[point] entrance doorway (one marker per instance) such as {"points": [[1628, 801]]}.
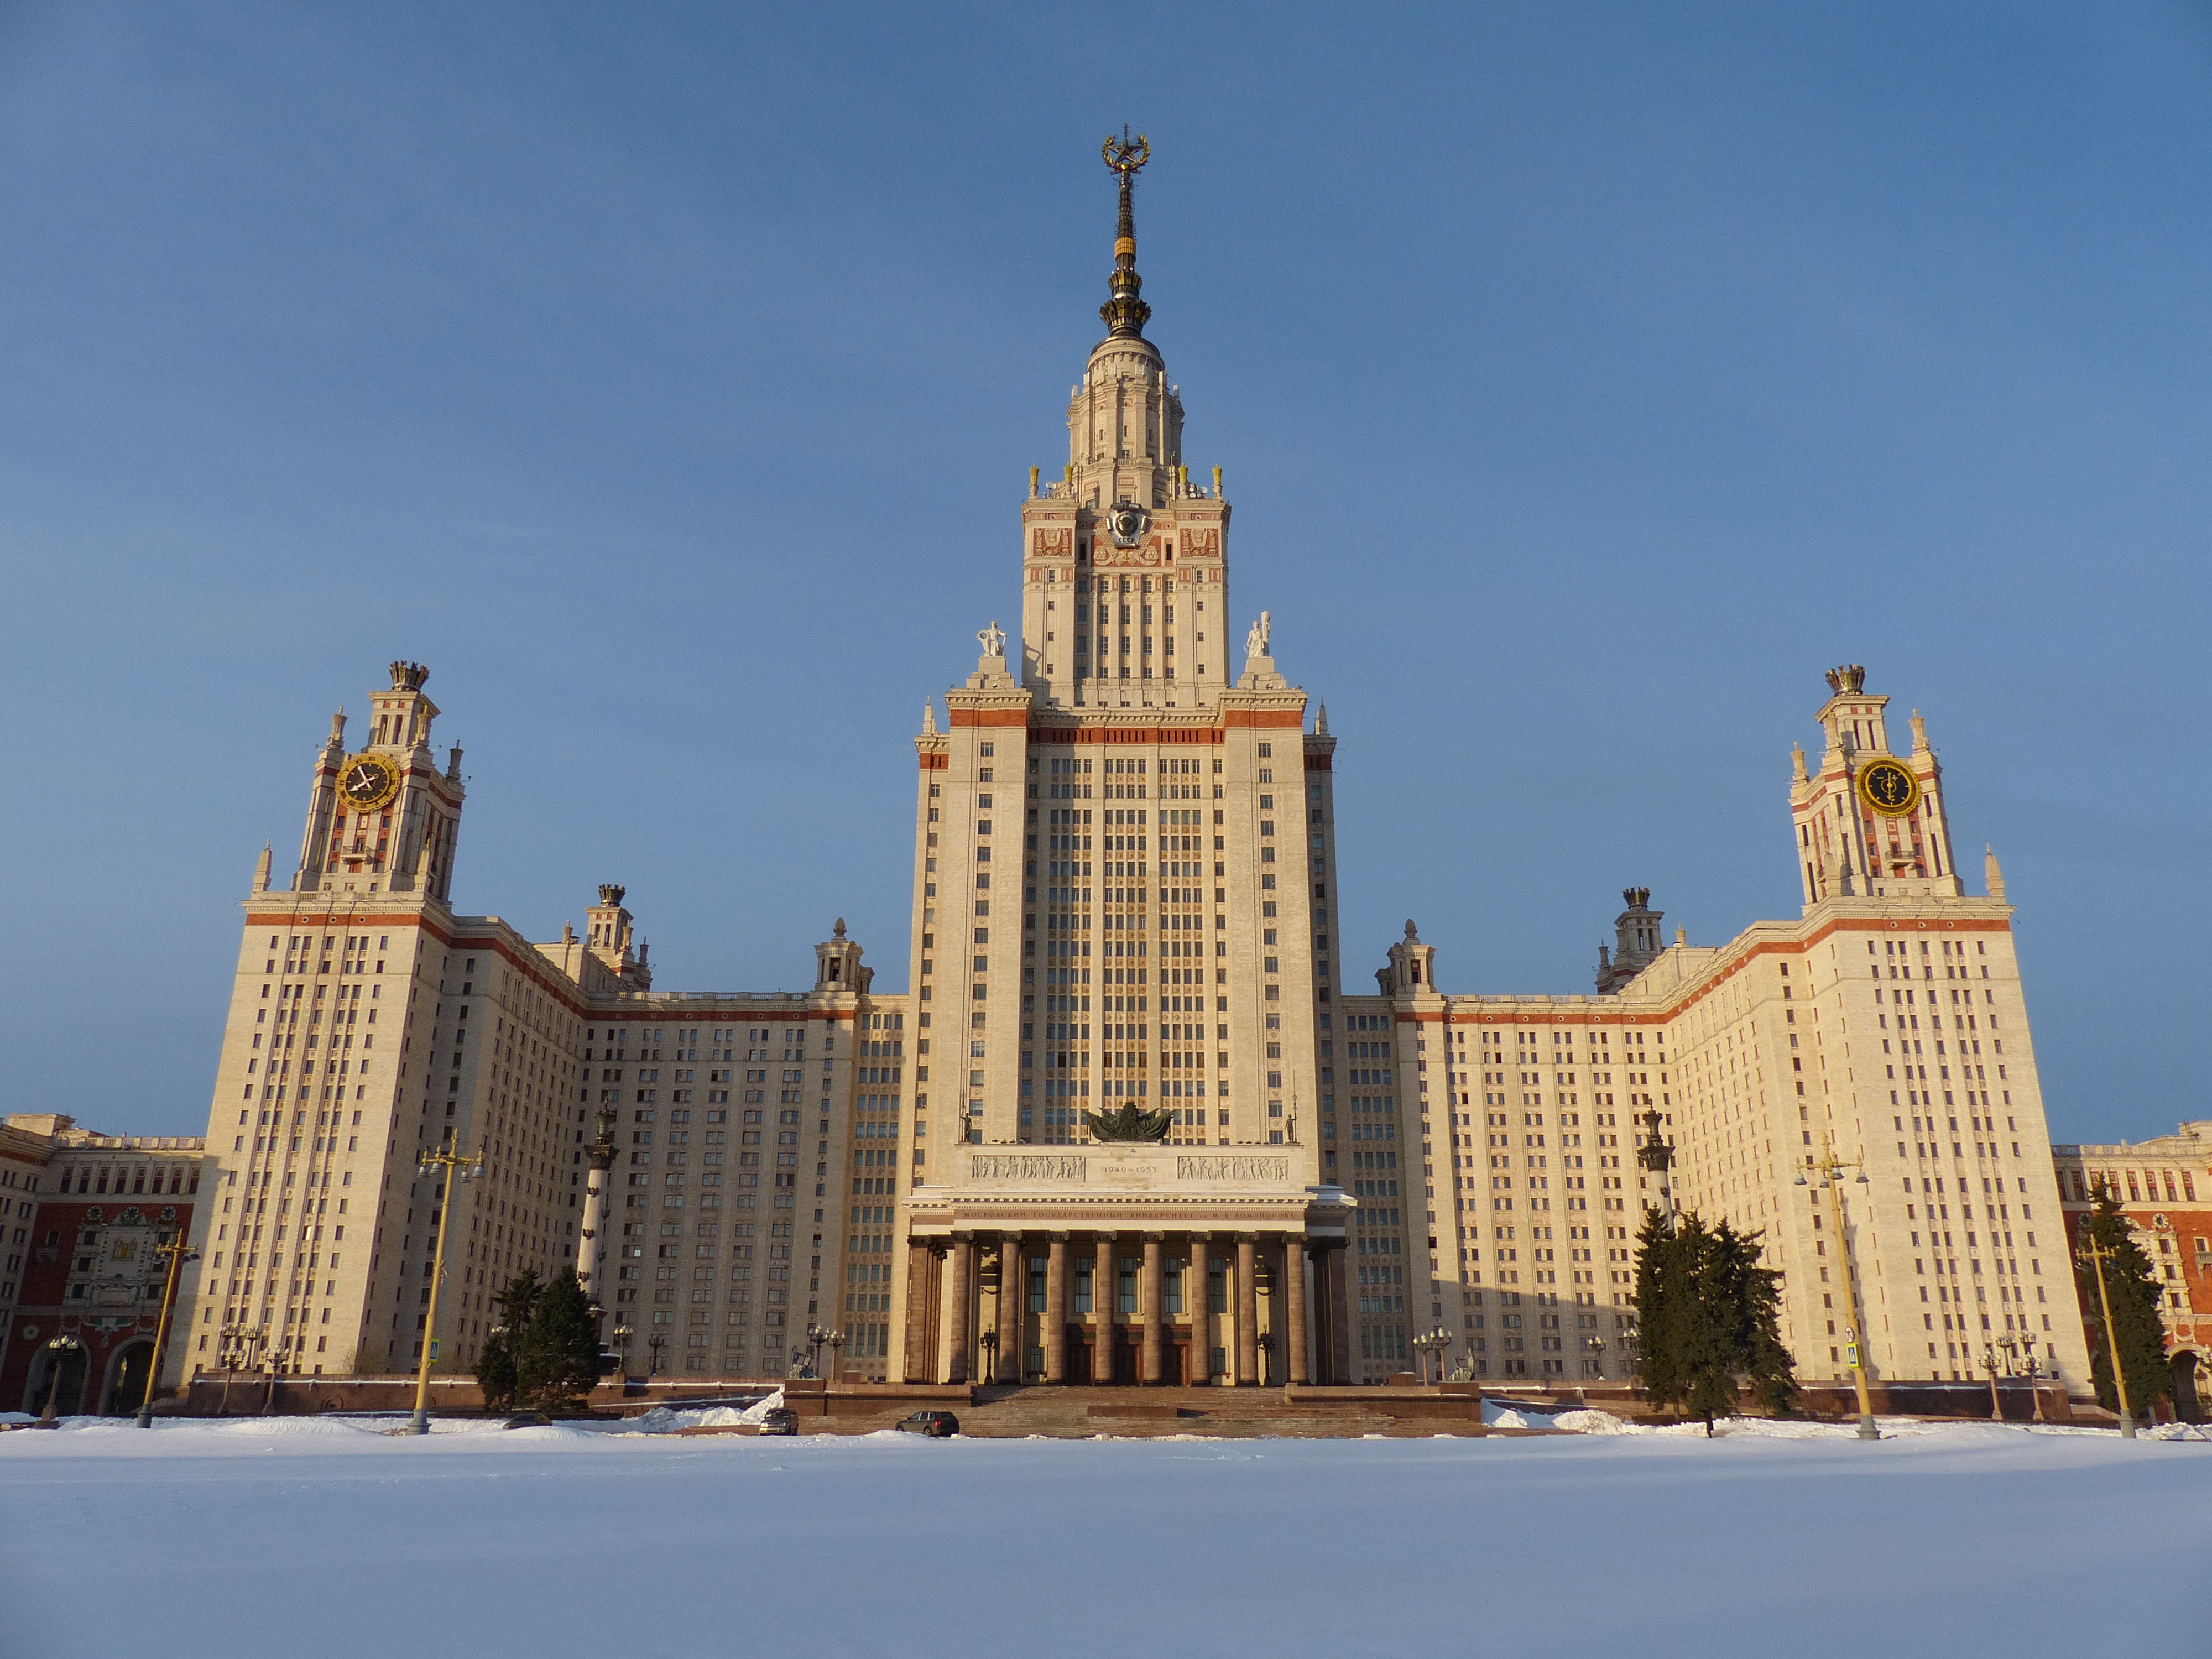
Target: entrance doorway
{"points": [[126, 1380], [66, 1372]]}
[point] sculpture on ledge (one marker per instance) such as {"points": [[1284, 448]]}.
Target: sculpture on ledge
{"points": [[1129, 1122]]}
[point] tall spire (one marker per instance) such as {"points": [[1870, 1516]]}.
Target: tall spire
{"points": [[1124, 314]]}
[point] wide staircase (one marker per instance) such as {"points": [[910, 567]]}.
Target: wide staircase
{"points": [[1011, 1412]]}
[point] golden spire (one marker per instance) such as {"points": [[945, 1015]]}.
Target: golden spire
{"points": [[1124, 314]]}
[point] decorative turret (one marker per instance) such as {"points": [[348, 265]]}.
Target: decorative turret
{"points": [[609, 936], [837, 964], [1637, 943], [1411, 971]]}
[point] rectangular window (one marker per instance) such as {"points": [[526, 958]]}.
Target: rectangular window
{"points": [[1126, 1283], [1081, 1301], [1217, 1284], [1037, 1265]]}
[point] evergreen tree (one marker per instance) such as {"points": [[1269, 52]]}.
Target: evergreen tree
{"points": [[2131, 1284], [557, 1361], [495, 1360], [1658, 1310], [1708, 1314]]}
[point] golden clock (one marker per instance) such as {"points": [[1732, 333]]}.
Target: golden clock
{"points": [[1889, 787], [366, 781]]}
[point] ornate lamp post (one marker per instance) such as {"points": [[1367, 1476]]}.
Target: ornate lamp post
{"points": [[655, 1344], [836, 1341], [988, 1341], [61, 1348], [456, 1167], [623, 1334], [1596, 1347], [2097, 1254], [174, 1248], [1990, 1364], [2034, 1379], [1829, 1169], [227, 1343], [1265, 1344]]}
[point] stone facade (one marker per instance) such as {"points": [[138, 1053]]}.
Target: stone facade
{"points": [[1124, 898], [80, 1216], [2165, 1188]]}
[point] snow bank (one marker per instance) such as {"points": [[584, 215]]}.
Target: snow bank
{"points": [[1593, 1422], [666, 1419]]}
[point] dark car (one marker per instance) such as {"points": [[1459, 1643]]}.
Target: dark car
{"points": [[938, 1426], [781, 1420]]}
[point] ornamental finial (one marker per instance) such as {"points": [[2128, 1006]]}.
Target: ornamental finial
{"points": [[1124, 314]]}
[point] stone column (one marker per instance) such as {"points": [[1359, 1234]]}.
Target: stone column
{"points": [[962, 1289], [1148, 1307], [1201, 1319], [1247, 1310], [1013, 1297], [1340, 1317], [920, 1273], [1294, 1308], [1055, 1310], [1104, 1292]]}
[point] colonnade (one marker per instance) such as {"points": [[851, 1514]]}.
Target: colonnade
{"points": [[1189, 1309]]}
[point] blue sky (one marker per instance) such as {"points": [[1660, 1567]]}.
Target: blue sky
{"points": [[1587, 381]]}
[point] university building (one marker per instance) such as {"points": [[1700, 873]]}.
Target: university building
{"points": [[80, 1278], [2157, 1184], [1127, 1123]]}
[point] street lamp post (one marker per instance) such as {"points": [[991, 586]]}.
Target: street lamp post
{"points": [[1990, 1364], [2096, 1255], [988, 1342], [1596, 1347], [61, 1348], [836, 1339], [175, 1248], [623, 1334], [655, 1344], [225, 1349], [456, 1167], [1829, 1169], [2035, 1379]]}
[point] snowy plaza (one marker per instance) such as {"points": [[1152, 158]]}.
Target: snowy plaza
{"points": [[287, 1536]]}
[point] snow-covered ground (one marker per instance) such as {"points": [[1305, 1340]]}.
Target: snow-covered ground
{"points": [[292, 1536]]}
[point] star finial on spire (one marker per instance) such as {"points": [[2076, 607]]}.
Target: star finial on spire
{"points": [[1124, 314]]}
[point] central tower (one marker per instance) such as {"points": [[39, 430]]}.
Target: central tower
{"points": [[1124, 593], [1122, 918]]}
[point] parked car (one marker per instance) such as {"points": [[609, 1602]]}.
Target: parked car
{"points": [[938, 1426], [781, 1420]]}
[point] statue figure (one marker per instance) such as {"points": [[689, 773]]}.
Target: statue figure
{"points": [[1255, 642], [993, 640], [1129, 1121]]}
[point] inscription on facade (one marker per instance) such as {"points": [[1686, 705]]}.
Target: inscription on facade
{"points": [[1061, 1167], [1232, 1168]]}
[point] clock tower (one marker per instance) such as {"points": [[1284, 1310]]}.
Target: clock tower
{"points": [[384, 818], [1870, 822]]}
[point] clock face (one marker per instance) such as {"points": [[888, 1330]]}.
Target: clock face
{"points": [[366, 781], [1889, 788]]}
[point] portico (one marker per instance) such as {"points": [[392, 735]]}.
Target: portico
{"points": [[1130, 1265]]}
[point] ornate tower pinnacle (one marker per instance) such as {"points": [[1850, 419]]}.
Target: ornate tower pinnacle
{"points": [[1124, 314]]}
